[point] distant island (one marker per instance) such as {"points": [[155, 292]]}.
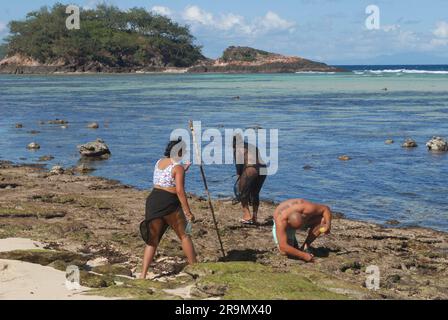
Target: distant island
{"points": [[132, 41]]}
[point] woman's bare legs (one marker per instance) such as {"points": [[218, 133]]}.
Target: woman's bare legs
{"points": [[178, 223], [156, 227]]}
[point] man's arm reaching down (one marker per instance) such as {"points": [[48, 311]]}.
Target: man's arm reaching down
{"points": [[289, 250]]}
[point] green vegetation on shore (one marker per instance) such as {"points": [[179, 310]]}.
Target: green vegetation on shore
{"points": [[109, 36]]}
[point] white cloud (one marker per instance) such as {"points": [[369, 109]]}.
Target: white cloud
{"points": [[390, 28], [442, 30], [194, 14], [230, 21], [161, 10], [272, 21], [439, 42]]}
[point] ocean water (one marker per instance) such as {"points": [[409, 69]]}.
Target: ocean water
{"points": [[319, 117]]}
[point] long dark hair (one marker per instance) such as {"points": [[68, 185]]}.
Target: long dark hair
{"points": [[171, 145]]}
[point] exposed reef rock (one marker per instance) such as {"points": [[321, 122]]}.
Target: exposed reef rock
{"points": [[437, 144], [233, 60], [96, 149], [250, 60]]}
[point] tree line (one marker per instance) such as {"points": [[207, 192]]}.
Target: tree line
{"points": [[108, 35]]}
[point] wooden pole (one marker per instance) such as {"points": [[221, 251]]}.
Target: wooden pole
{"points": [[201, 167]]}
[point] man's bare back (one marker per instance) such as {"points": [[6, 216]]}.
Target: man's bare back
{"points": [[295, 214]]}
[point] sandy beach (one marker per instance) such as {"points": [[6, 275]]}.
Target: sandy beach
{"points": [[29, 281], [93, 223]]}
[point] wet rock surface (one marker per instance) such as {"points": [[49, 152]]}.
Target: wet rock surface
{"points": [[437, 144], [93, 125], [409, 143], [95, 149], [33, 146], [86, 218]]}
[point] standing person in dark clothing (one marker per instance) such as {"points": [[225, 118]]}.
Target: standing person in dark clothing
{"points": [[250, 178]]}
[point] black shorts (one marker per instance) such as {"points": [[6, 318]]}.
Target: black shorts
{"points": [[159, 204]]}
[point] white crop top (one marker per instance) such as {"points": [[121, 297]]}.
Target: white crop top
{"points": [[164, 178]]}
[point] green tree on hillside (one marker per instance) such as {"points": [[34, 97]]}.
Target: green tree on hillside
{"points": [[3, 50], [115, 38]]}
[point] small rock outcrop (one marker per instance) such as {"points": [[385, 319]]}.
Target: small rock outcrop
{"points": [[344, 158], [409, 143], [389, 141], [58, 121], [19, 126], [96, 149], [33, 146], [250, 60], [57, 170], [437, 144], [93, 125], [83, 169], [46, 158]]}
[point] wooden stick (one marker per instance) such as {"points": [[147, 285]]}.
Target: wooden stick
{"points": [[198, 156]]}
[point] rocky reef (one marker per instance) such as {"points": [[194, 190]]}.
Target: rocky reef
{"points": [[92, 223], [95, 149], [250, 60], [437, 144], [233, 60]]}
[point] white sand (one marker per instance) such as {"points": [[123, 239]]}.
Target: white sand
{"points": [[12, 244], [28, 281]]}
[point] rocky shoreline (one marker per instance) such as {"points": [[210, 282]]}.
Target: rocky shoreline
{"points": [[82, 219], [234, 60]]}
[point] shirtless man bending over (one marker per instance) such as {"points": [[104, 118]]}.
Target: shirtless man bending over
{"points": [[295, 214]]}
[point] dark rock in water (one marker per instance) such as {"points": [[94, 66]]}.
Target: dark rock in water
{"points": [[19, 126], [33, 132], [392, 222], [96, 149], [307, 167], [437, 144], [389, 141], [409, 143], [338, 215], [46, 158], [83, 169], [57, 121], [344, 158], [33, 146], [93, 125], [255, 127], [236, 98]]}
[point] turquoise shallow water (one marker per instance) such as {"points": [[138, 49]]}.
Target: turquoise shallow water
{"points": [[320, 117]]}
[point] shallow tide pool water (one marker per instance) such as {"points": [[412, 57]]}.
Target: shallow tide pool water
{"points": [[319, 117]]}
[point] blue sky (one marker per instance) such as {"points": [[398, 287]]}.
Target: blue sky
{"points": [[334, 31]]}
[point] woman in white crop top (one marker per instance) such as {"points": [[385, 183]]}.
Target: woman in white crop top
{"points": [[167, 205]]}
